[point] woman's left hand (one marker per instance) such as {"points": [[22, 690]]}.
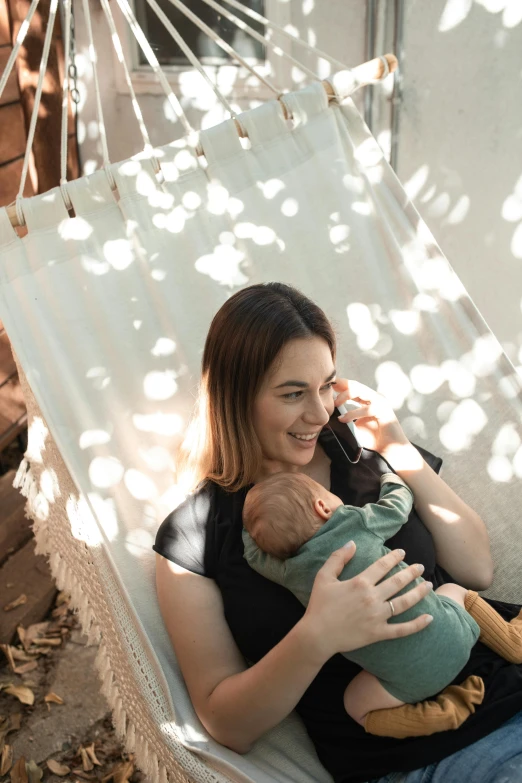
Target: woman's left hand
{"points": [[377, 425]]}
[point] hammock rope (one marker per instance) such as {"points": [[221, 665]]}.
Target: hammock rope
{"points": [[20, 38], [36, 106], [65, 105], [258, 37], [223, 44], [147, 146], [293, 38], [190, 55]]}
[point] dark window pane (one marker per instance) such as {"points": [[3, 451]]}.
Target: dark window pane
{"points": [[169, 53]]}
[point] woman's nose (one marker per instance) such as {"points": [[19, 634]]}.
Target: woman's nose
{"points": [[316, 413]]}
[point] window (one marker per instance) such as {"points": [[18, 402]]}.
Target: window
{"points": [[205, 49], [217, 63]]}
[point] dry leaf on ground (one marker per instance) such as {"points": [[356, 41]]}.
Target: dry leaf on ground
{"points": [[86, 760], [12, 723], [22, 599], [54, 698], [30, 666], [84, 775], [121, 772], [22, 693], [6, 760], [44, 642], [92, 754], [20, 655], [19, 772], [34, 772], [32, 632], [58, 769]]}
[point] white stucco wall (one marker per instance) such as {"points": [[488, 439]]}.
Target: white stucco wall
{"points": [[460, 146], [460, 132]]}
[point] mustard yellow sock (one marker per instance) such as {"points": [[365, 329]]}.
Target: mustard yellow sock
{"points": [[448, 711], [496, 633]]}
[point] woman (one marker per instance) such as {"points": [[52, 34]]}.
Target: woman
{"points": [[266, 404]]}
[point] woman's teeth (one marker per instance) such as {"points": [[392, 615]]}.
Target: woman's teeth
{"points": [[303, 437]]}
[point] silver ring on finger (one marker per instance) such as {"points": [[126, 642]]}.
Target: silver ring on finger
{"points": [[392, 608]]}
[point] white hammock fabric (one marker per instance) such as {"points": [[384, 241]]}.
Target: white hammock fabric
{"points": [[107, 313]]}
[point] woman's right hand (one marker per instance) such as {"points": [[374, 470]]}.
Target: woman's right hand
{"points": [[345, 615]]}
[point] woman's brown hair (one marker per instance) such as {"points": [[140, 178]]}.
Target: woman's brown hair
{"points": [[245, 337]]}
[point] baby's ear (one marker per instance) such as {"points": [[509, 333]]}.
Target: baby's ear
{"points": [[322, 510]]}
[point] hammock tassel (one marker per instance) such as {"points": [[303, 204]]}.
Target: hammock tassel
{"points": [[24, 477], [130, 739], [153, 767], [163, 777], [101, 661], [59, 572], [120, 718], [107, 686], [144, 754]]}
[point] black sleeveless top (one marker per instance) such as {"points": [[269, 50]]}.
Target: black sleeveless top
{"points": [[203, 535]]}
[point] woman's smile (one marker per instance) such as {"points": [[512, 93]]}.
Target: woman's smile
{"points": [[304, 441]]}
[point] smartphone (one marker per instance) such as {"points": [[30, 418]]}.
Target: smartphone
{"points": [[349, 405]]}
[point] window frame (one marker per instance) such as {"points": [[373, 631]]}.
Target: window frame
{"points": [[145, 81]]}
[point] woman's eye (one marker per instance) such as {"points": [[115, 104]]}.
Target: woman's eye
{"points": [[293, 395], [298, 394]]}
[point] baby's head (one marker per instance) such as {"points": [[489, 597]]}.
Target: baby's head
{"points": [[284, 511]]}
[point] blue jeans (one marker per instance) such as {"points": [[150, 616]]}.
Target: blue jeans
{"points": [[496, 758]]}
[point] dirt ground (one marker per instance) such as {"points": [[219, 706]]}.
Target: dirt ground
{"points": [[55, 724]]}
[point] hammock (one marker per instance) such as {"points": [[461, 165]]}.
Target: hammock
{"points": [[107, 301]]}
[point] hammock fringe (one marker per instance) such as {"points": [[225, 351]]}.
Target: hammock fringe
{"points": [[134, 742]]}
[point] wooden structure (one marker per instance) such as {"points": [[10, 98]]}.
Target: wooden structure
{"points": [[16, 105]]}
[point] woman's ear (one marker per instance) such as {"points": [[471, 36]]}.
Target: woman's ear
{"points": [[322, 509]]}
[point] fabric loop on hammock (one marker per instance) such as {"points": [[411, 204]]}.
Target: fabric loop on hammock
{"points": [[220, 142], [65, 195], [19, 211], [265, 122], [90, 194], [50, 211], [310, 101]]}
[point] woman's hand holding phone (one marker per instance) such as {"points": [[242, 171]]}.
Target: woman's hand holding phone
{"points": [[377, 425]]}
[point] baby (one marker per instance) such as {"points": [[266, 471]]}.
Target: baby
{"points": [[291, 526]]}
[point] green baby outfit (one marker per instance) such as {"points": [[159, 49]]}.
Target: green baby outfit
{"points": [[412, 668]]}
